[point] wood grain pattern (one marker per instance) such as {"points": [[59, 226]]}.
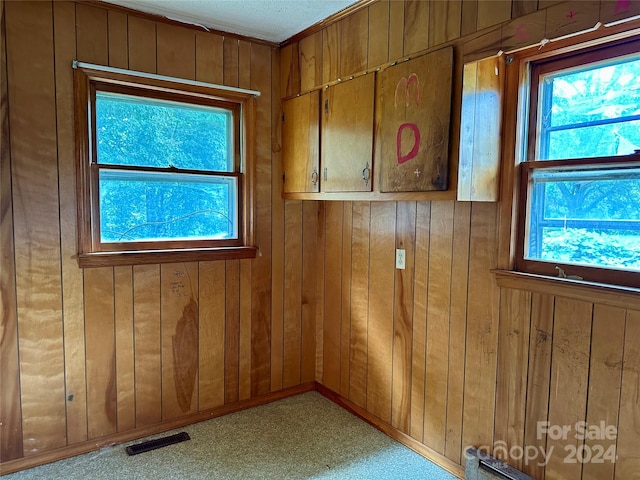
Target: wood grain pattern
{"points": [[381, 291], [211, 304], [612, 11], [209, 58], [539, 376], [176, 51], [444, 21], [628, 463], [420, 298], [396, 29], [290, 76], [458, 330], [331, 53], [524, 31], [64, 18], [310, 61], [605, 380], [416, 26], [332, 297], [146, 324], [118, 39], [513, 359], [142, 44], [571, 17], [291, 332], [569, 381], [354, 34], [10, 411], [34, 177], [469, 22], [438, 315], [232, 332], [345, 295], [360, 223], [100, 344], [125, 364], [403, 318], [92, 34], [245, 329], [309, 290], [179, 332], [520, 8], [378, 51], [230, 73], [491, 12]]}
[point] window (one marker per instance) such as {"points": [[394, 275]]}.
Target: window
{"points": [[580, 190], [163, 169]]}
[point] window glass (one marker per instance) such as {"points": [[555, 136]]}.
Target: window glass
{"points": [[145, 132]]}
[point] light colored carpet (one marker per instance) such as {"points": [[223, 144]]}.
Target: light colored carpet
{"points": [[301, 437]]}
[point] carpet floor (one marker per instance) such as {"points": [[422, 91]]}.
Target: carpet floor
{"points": [[301, 437]]}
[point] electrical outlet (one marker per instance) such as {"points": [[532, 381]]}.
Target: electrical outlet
{"points": [[400, 258]]}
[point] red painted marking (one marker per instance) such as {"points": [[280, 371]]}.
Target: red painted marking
{"points": [[404, 86], [622, 6], [400, 86], [416, 144], [570, 14], [522, 33]]}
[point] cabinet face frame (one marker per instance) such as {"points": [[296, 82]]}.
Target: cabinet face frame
{"points": [[301, 143], [347, 135]]}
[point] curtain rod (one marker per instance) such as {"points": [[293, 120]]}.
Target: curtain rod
{"points": [[76, 64]]}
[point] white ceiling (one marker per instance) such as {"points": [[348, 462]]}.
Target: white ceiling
{"points": [[271, 20]]}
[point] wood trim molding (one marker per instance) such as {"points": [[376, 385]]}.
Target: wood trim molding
{"points": [[616, 296], [393, 432], [336, 17], [109, 440]]}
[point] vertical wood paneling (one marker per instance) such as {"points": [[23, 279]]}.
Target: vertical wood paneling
{"points": [[444, 21], [469, 22], [332, 296], [230, 62], [354, 34], [457, 330], [569, 378], [64, 17], [261, 266], [100, 342], [345, 303], [513, 356], [179, 333], [416, 26], [211, 283], [539, 376], [142, 44], [360, 221], [331, 53], [605, 379], [310, 61], [118, 39], [519, 8], [438, 314], [232, 332], [10, 411], [403, 317], [396, 29], [125, 381], [320, 289], [244, 65], [92, 32], [176, 51], [378, 52], [290, 334], [381, 292], [290, 70], [245, 329], [418, 354], [34, 176], [209, 57], [309, 290], [628, 463], [146, 324], [491, 12], [482, 331]]}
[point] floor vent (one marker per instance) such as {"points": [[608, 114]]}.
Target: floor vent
{"points": [[157, 443]]}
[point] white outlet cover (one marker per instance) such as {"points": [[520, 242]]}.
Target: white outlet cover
{"points": [[400, 258]]}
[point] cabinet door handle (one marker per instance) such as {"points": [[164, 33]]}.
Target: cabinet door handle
{"points": [[314, 177], [366, 174], [326, 106], [325, 174]]}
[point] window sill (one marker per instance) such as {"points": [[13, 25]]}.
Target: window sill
{"points": [[613, 295], [112, 259]]}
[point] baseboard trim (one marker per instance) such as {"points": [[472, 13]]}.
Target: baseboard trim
{"points": [[90, 445], [421, 449]]}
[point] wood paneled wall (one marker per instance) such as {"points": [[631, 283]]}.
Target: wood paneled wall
{"points": [[438, 351], [86, 354]]}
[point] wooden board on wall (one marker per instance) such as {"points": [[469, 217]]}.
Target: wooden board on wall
{"points": [[414, 130]]}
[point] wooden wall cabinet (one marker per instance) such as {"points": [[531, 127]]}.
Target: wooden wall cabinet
{"points": [[347, 135], [301, 144]]}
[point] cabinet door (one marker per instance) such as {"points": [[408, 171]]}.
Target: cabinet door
{"points": [[301, 143], [347, 135], [415, 99]]}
